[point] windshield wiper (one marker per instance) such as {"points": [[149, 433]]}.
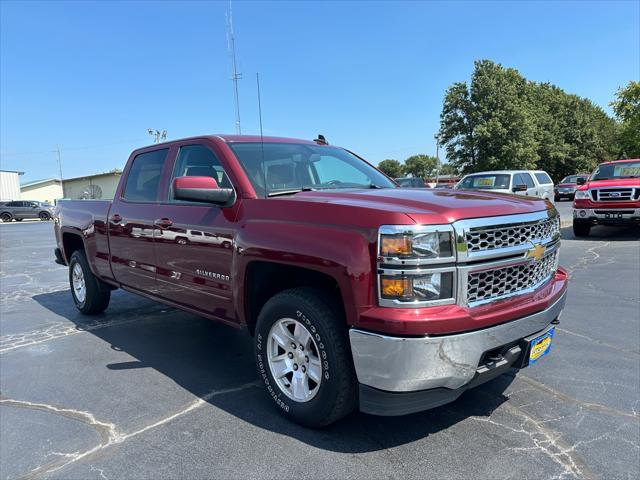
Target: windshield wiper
{"points": [[289, 192]]}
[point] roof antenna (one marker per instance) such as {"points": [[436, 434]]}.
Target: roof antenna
{"points": [[321, 140], [264, 171]]}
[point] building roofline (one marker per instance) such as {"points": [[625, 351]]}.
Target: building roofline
{"points": [[13, 171], [38, 182]]}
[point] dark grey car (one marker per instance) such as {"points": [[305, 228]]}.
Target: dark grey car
{"points": [[20, 209]]}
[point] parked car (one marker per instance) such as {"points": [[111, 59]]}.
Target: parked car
{"points": [[532, 183], [340, 276], [568, 186], [610, 196], [20, 209], [411, 182]]}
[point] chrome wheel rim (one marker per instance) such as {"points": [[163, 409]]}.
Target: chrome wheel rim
{"points": [[77, 280], [294, 360]]}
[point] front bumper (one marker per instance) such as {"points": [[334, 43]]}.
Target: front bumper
{"points": [[607, 216], [400, 375]]}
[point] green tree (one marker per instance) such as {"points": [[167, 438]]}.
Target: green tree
{"points": [[626, 106], [502, 121], [392, 168], [448, 169], [421, 166]]}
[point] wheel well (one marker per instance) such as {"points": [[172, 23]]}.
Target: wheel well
{"points": [[71, 242], [265, 279]]}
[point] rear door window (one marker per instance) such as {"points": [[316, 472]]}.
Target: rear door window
{"points": [[544, 179], [518, 180], [528, 181], [144, 175]]}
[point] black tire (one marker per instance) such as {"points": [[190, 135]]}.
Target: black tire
{"points": [[6, 217], [19, 219], [44, 216], [581, 229], [557, 198], [337, 392], [97, 294]]}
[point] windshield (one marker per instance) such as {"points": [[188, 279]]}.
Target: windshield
{"points": [[485, 182], [291, 167], [571, 178], [616, 170]]}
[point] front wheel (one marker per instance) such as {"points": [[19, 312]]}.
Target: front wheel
{"points": [[581, 229], [89, 293], [44, 216], [303, 357]]}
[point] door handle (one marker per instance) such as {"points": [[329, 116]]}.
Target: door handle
{"points": [[163, 222], [115, 218]]}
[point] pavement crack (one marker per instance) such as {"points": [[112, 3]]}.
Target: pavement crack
{"points": [[595, 407], [546, 441], [585, 260], [107, 431], [109, 434], [599, 342]]}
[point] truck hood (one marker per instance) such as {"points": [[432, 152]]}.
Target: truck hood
{"points": [[426, 206], [619, 182]]}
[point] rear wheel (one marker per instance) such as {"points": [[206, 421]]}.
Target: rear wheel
{"points": [[303, 357], [89, 293], [44, 216], [5, 217], [581, 229]]}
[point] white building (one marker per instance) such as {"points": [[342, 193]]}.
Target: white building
{"points": [[10, 185], [48, 190]]}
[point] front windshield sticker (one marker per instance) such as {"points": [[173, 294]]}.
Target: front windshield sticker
{"points": [[484, 182], [632, 170]]}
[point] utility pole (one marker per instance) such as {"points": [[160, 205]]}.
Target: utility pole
{"points": [[235, 76], [60, 169], [157, 136], [437, 137]]}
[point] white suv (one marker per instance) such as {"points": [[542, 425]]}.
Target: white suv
{"points": [[533, 183]]}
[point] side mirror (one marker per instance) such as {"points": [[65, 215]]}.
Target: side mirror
{"points": [[581, 181], [519, 188], [201, 189]]}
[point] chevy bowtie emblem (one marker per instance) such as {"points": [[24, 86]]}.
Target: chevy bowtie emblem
{"points": [[537, 252]]}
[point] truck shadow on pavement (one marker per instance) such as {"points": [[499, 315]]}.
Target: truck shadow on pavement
{"points": [[204, 357]]}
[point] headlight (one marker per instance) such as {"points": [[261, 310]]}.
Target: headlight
{"points": [[416, 245], [582, 194], [434, 287], [416, 265]]}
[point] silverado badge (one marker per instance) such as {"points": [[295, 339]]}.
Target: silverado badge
{"points": [[537, 252]]}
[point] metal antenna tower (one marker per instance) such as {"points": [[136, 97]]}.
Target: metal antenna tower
{"points": [[235, 76]]}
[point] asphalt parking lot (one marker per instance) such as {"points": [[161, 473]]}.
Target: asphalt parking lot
{"points": [[146, 391]]}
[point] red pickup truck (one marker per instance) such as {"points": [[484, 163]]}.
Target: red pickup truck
{"points": [[358, 294], [610, 196]]}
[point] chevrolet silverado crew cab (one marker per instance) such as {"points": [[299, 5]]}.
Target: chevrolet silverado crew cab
{"points": [[358, 294], [610, 196]]}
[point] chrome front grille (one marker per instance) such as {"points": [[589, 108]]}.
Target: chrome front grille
{"points": [[621, 194], [511, 235], [489, 285]]}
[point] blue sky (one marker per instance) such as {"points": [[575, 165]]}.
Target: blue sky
{"points": [[370, 76]]}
